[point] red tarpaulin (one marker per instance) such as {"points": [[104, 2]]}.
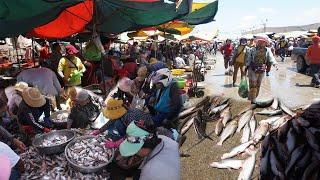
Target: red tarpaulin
{"points": [[72, 20]]}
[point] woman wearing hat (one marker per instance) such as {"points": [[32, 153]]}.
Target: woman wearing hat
{"points": [[70, 67], [14, 96], [84, 111], [30, 110], [160, 154], [256, 64], [238, 59]]}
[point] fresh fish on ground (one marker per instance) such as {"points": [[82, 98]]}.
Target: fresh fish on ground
{"points": [[281, 121], [276, 167], [264, 165], [200, 128], [283, 131], [186, 112], [270, 120], [228, 131], [219, 127], [248, 167], [291, 140], [270, 112], [275, 103], [218, 109], [261, 132], [280, 150], [286, 109], [312, 140], [304, 161], [245, 134], [302, 122], [228, 164], [244, 119], [314, 166], [187, 126], [252, 125], [265, 145], [237, 150], [265, 103], [296, 126], [226, 116]]}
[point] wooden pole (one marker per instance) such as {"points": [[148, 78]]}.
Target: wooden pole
{"points": [[17, 54]]}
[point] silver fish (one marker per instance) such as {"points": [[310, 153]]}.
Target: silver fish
{"points": [[237, 150], [252, 125], [270, 120], [244, 119], [261, 132], [228, 164], [275, 103], [218, 109], [291, 140], [295, 156], [219, 127], [200, 128], [245, 134], [276, 167], [286, 109], [270, 112], [265, 103], [187, 126], [228, 131], [279, 122], [248, 167], [226, 116], [186, 112]]}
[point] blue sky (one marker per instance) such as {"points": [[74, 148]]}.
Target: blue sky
{"points": [[235, 16]]}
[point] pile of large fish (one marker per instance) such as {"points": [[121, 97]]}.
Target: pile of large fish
{"points": [[57, 140], [253, 132], [44, 167], [89, 152]]}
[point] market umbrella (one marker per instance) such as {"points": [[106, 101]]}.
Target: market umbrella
{"points": [[137, 34], [175, 27], [202, 15]]}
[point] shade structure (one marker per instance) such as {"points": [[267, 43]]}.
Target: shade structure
{"points": [[203, 15], [70, 21], [137, 34], [175, 27], [20, 16]]}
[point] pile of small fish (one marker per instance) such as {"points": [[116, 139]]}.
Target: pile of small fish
{"points": [[61, 117], [218, 110], [89, 152], [44, 167], [57, 140], [293, 151]]}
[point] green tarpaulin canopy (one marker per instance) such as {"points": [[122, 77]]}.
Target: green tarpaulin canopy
{"points": [[202, 15]]}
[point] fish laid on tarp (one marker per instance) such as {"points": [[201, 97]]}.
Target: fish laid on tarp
{"points": [[302, 122], [265, 165], [248, 167], [275, 103], [219, 127], [264, 104], [228, 164], [283, 131], [312, 168], [270, 120], [228, 131], [286, 109], [276, 167], [245, 134], [295, 156], [226, 116], [252, 125], [200, 128], [244, 119], [270, 112], [261, 132], [291, 140], [218, 109], [186, 112], [187, 126], [312, 140], [279, 122], [237, 150]]}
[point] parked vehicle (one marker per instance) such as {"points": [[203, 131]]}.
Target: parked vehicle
{"points": [[298, 56]]}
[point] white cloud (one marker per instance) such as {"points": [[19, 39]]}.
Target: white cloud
{"points": [[309, 15], [267, 10], [248, 21]]}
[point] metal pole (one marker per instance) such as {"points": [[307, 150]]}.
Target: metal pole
{"points": [[32, 49], [17, 54]]}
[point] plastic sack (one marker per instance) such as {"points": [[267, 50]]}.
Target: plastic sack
{"points": [[243, 88], [137, 103], [92, 52], [76, 76]]}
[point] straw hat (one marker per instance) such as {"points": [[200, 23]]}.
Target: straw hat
{"points": [[153, 60], [114, 109], [20, 86], [33, 97]]}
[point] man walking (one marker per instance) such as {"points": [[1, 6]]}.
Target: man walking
{"points": [[313, 55], [282, 50]]}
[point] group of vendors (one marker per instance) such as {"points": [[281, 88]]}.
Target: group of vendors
{"points": [[137, 106]]}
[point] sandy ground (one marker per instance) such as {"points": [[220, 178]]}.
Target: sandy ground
{"points": [[281, 83]]}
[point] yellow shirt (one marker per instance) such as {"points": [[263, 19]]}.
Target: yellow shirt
{"points": [[241, 58], [68, 68]]}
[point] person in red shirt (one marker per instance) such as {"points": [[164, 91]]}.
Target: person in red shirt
{"points": [[226, 51], [44, 53], [313, 55]]}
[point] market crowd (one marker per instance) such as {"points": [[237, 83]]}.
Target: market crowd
{"points": [[142, 102]]}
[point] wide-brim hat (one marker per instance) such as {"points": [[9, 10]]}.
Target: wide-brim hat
{"points": [[20, 86], [129, 148], [114, 109], [33, 97], [125, 84], [71, 50]]}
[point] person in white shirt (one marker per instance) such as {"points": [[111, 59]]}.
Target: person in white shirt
{"points": [[16, 164], [179, 63], [14, 96]]}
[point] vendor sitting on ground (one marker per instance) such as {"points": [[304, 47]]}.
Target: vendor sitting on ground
{"points": [[160, 153], [83, 112], [14, 96], [166, 103], [119, 118], [30, 110]]}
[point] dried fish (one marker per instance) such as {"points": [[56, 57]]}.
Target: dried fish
{"points": [[56, 140]]}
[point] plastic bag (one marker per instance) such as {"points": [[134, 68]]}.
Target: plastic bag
{"points": [[92, 52], [137, 103], [243, 90]]}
